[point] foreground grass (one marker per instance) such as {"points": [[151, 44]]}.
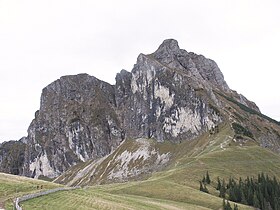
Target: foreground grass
{"points": [[14, 186], [177, 186], [94, 198]]}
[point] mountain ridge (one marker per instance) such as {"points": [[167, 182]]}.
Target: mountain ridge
{"points": [[170, 95]]}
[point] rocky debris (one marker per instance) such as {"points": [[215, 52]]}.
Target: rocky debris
{"points": [[170, 95], [130, 164], [131, 160]]}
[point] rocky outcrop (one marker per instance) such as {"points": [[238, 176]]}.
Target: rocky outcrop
{"points": [[76, 122], [170, 95], [131, 160], [162, 103], [12, 157]]}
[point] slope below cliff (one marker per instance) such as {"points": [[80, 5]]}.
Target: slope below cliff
{"points": [[170, 95]]}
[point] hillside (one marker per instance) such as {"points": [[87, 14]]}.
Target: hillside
{"points": [[170, 95], [137, 159], [176, 187], [12, 186], [156, 132]]}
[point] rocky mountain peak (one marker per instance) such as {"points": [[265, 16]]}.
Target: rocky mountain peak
{"points": [[203, 71], [167, 48], [170, 95]]}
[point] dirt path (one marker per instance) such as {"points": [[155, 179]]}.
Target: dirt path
{"points": [[165, 206]]}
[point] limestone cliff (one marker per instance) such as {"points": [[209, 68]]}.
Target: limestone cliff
{"points": [[170, 95], [76, 122]]}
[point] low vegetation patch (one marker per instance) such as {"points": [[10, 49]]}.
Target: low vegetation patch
{"points": [[247, 109], [239, 129]]}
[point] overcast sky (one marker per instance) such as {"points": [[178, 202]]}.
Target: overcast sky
{"points": [[41, 41]]}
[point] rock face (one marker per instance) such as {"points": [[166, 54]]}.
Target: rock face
{"points": [[76, 122], [131, 160], [170, 95]]}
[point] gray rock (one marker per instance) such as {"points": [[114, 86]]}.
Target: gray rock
{"points": [[76, 122], [170, 95]]}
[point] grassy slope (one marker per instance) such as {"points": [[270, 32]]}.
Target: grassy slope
{"points": [[12, 186], [98, 198], [176, 187]]}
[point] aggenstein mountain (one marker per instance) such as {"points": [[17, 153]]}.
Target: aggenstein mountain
{"points": [[88, 131]]}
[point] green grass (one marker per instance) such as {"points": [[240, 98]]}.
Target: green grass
{"points": [[247, 109], [12, 186], [98, 198], [177, 187]]}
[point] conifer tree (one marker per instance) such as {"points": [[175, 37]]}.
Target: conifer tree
{"points": [[276, 203], [203, 179], [218, 184], [235, 207], [228, 207], [224, 204], [207, 179], [262, 193], [205, 189], [201, 187], [256, 202], [243, 198], [250, 195], [223, 190]]}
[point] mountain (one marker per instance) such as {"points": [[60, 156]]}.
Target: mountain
{"points": [[103, 133]]}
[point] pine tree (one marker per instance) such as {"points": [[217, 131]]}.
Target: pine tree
{"points": [[224, 204], [231, 194], [250, 195], [256, 202], [208, 181], [201, 187], [203, 179], [276, 203], [262, 193], [218, 184], [223, 190], [230, 183], [205, 189], [265, 205], [243, 198], [259, 178], [228, 207]]}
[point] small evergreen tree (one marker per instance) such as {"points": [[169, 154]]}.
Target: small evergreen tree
{"points": [[235, 207], [218, 184], [256, 202], [207, 179], [203, 179], [205, 189], [224, 204], [201, 187], [223, 190], [228, 207], [243, 198], [276, 203]]}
